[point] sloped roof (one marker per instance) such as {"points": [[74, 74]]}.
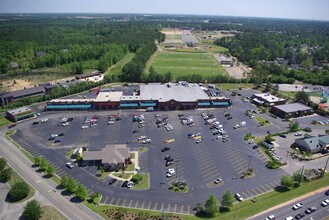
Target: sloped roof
{"points": [[109, 154], [314, 142]]}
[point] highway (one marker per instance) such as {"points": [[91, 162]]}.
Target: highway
{"points": [[46, 187], [286, 210]]}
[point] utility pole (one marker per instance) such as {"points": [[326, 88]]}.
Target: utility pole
{"points": [[287, 157], [301, 173], [325, 166], [250, 156]]}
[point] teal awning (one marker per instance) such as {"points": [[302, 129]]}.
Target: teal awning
{"points": [[129, 105], [25, 115], [220, 103], [204, 103], [88, 106], [148, 104]]}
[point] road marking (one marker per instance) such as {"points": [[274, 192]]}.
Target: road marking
{"points": [[168, 209], [130, 203], [188, 209], [149, 206], [124, 201], [182, 209], [112, 201], [175, 207], [162, 206], [136, 204], [106, 199], [142, 204]]}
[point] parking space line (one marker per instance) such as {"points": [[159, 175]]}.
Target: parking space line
{"points": [[168, 209], [136, 204], [188, 209], [255, 192], [118, 202], [155, 206], [182, 209], [210, 163], [111, 203], [244, 195], [248, 192], [175, 207], [124, 201], [106, 199], [162, 206], [264, 188], [270, 188], [149, 206], [259, 191], [214, 173], [131, 201], [142, 204]]}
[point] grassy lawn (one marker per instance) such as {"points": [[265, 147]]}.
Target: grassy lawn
{"points": [[116, 68], [50, 213], [69, 154], [289, 94], [130, 167], [132, 155], [144, 184], [187, 50], [143, 149], [182, 64], [4, 121], [262, 121], [225, 86], [124, 176], [101, 175], [316, 94], [17, 178]]}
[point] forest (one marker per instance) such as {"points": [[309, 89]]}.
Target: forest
{"points": [[39, 42]]}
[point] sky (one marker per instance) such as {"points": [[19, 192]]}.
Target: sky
{"points": [[295, 9]]}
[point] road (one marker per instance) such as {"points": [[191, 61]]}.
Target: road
{"points": [[313, 199], [45, 187]]}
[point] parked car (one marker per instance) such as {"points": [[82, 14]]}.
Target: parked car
{"points": [[124, 184], [112, 181], [69, 165], [12, 125], [130, 184], [110, 123], [135, 131], [61, 134], [218, 180], [299, 216], [283, 135], [310, 210], [146, 141], [298, 133], [297, 206], [255, 147], [44, 120], [165, 149], [238, 197], [84, 127], [270, 217], [54, 135], [199, 140], [169, 163], [325, 203], [58, 141], [35, 123], [327, 193], [51, 138]]}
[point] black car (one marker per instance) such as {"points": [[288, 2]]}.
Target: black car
{"points": [[228, 114], [229, 118], [70, 119], [61, 134], [124, 184], [167, 157], [299, 216], [165, 149], [51, 138], [283, 135], [327, 193], [170, 159], [112, 181], [135, 131], [310, 210], [12, 125], [255, 147], [35, 123]]}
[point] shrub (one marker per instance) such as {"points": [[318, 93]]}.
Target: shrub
{"points": [[32, 210], [308, 129], [137, 178], [19, 191], [3, 163], [6, 174]]}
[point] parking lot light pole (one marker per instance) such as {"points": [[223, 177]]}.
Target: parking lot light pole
{"points": [[176, 161], [287, 157], [250, 156]]}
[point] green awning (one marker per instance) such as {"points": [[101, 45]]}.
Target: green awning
{"points": [[25, 115], [204, 103], [220, 103], [129, 105], [148, 104], [69, 106]]}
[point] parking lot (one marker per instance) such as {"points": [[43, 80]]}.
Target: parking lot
{"points": [[198, 164]]}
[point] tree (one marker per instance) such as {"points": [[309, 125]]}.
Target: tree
{"points": [[64, 181], [37, 160], [302, 96], [136, 178], [227, 200], [50, 170], [297, 177], [43, 164], [6, 174], [3, 163], [294, 126], [212, 205], [81, 192], [268, 86], [18, 191], [32, 210], [287, 181], [72, 185]]}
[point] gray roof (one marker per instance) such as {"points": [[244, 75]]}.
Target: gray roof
{"points": [[314, 142], [24, 92], [166, 92], [19, 110], [293, 107], [109, 154]]}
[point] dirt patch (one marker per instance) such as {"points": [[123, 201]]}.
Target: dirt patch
{"points": [[17, 84], [171, 32]]}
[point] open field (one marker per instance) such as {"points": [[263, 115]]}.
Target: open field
{"points": [[225, 86], [50, 213], [186, 63], [4, 121]]}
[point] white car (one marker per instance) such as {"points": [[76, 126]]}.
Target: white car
{"points": [[93, 125], [69, 165], [238, 197], [325, 203], [110, 123], [199, 140], [170, 172], [54, 135], [146, 141], [298, 133], [270, 217], [130, 184], [141, 138], [218, 180], [44, 120], [297, 206], [66, 124], [84, 126]]}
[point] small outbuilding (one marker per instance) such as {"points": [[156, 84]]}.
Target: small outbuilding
{"points": [[313, 144], [20, 113], [267, 99]]}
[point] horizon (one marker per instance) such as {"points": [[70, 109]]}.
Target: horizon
{"points": [[293, 9]]}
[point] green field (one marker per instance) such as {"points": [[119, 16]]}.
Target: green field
{"points": [[186, 64]]}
